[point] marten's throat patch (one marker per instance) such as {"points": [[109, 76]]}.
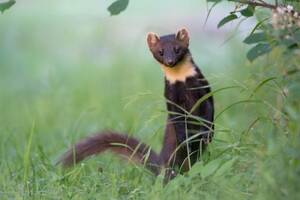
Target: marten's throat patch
{"points": [[180, 72]]}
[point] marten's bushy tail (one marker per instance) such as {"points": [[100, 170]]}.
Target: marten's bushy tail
{"points": [[122, 145]]}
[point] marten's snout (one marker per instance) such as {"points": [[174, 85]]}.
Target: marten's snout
{"points": [[169, 57], [170, 62]]}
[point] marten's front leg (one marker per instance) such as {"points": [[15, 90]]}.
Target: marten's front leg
{"points": [[168, 153], [180, 127]]}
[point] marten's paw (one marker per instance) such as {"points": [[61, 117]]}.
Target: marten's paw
{"points": [[207, 138]]}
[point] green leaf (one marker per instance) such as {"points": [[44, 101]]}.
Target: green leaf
{"points": [[210, 9], [227, 19], [297, 36], [117, 7], [210, 168], [258, 25], [258, 50], [196, 169], [255, 38], [261, 84], [6, 5], [288, 42], [248, 12], [225, 167]]}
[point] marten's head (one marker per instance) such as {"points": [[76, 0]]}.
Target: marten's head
{"points": [[169, 50]]}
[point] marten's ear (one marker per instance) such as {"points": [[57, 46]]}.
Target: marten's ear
{"points": [[152, 39], [183, 36]]}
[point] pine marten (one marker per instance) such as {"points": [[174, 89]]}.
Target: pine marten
{"points": [[190, 107]]}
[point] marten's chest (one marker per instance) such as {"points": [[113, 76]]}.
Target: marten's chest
{"points": [[184, 94]]}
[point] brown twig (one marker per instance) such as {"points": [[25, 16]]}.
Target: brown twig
{"points": [[256, 3], [261, 1]]}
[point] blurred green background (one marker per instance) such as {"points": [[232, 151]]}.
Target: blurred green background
{"points": [[68, 69]]}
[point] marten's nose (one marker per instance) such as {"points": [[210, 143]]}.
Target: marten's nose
{"points": [[170, 62]]}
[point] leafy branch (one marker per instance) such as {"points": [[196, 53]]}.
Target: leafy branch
{"points": [[279, 29]]}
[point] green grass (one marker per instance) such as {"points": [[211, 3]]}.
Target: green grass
{"points": [[60, 83]]}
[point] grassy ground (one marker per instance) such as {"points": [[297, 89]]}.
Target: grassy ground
{"points": [[63, 77]]}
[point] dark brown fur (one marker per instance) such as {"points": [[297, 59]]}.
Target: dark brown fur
{"points": [[181, 96], [120, 144]]}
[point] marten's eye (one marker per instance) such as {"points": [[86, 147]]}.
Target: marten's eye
{"points": [[177, 50], [161, 52]]}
